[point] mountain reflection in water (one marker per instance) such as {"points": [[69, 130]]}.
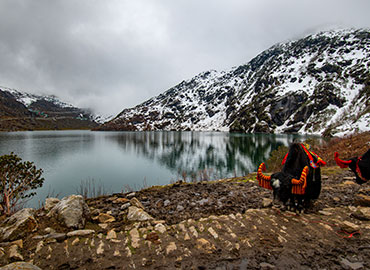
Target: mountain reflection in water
{"points": [[117, 160]]}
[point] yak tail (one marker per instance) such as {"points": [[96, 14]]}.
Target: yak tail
{"points": [[299, 186], [263, 180], [341, 163]]}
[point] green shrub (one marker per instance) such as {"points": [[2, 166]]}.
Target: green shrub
{"points": [[17, 178]]}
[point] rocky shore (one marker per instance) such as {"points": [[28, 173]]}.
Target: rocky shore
{"points": [[225, 224]]}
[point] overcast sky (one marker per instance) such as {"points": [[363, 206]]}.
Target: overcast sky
{"points": [[113, 54]]}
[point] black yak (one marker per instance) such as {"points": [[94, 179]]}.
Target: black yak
{"points": [[299, 181], [359, 165]]}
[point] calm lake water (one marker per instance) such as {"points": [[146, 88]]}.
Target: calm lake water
{"points": [[120, 161]]}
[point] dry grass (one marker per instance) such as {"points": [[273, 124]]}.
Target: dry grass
{"points": [[351, 146]]}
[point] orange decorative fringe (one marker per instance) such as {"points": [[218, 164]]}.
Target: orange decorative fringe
{"points": [[299, 186], [263, 180]]}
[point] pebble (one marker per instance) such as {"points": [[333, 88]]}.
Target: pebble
{"points": [[171, 248], [160, 228], [135, 238], [111, 234], [14, 254], [212, 232], [350, 265], [193, 231], [349, 227], [125, 206], [105, 218], [76, 241], [103, 225], [205, 245], [131, 195], [100, 249], [136, 202], [80, 233]]}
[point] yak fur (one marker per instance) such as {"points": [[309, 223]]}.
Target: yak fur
{"points": [[281, 182]]}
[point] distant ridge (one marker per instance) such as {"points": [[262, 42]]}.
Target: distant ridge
{"points": [[24, 111], [319, 84]]}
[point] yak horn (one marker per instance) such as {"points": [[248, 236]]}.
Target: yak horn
{"points": [[341, 163], [263, 180], [299, 186]]}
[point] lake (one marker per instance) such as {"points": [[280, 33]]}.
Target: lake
{"points": [[110, 162]]}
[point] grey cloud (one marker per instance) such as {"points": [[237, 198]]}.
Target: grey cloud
{"points": [[109, 55]]}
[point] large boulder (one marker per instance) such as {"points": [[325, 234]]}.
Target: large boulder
{"points": [[72, 211], [18, 225]]}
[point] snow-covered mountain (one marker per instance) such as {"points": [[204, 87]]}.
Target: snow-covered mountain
{"points": [[20, 110], [319, 84]]}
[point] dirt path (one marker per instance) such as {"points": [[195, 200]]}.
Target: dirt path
{"points": [[218, 225]]}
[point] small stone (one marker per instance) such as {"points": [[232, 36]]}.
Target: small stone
{"points": [[128, 252], [337, 199], [121, 200], [201, 227], [76, 241], [266, 265], [137, 203], [80, 233], [39, 246], [14, 254], [111, 234], [137, 214], [180, 208], [49, 230], [57, 236], [117, 253], [193, 231], [212, 232], [135, 238], [103, 225], [171, 247], [166, 203], [105, 218], [205, 245], [365, 211], [19, 243], [100, 249], [182, 227], [125, 206], [325, 213], [50, 203], [348, 183], [349, 227], [354, 266], [266, 202], [186, 237], [131, 195], [158, 222], [160, 228], [362, 200]]}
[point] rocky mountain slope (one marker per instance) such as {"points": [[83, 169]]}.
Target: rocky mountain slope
{"points": [[319, 84], [24, 111]]}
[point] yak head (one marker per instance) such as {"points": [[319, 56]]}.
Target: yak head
{"points": [[283, 184], [352, 164]]}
